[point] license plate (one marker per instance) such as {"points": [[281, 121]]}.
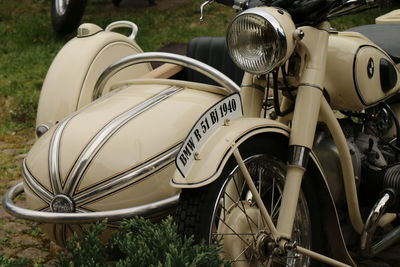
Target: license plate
{"points": [[228, 108]]}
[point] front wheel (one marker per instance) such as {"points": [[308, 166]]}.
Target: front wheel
{"points": [[225, 211], [66, 14]]}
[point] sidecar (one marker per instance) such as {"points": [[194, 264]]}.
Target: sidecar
{"points": [[107, 136]]}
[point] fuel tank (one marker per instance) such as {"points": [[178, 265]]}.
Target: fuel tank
{"points": [[359, 74], [116, 152]]}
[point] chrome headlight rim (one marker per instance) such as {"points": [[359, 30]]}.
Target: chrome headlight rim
{"points": [[281, 37]]}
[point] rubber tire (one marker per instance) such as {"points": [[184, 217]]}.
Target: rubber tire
{"points": [[116, 2], [70, 20], [196, 205]]}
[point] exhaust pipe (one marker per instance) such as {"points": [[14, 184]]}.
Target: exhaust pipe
{"points": [[368, 248]]}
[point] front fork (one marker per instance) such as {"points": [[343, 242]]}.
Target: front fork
{"points": [[314, 47], [307, 107]]}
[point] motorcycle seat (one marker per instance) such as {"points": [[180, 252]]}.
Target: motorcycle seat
{"points": [[214, 52], [386, 36]]}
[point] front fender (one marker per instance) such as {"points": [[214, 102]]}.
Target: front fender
{"points": [[216, 151], [213, 155]]}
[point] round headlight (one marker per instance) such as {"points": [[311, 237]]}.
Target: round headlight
{"points": [[257, 42]]}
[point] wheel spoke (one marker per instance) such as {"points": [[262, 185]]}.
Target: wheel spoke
{"points": [[233, 231], [245, 213], [272, 196], [277, 207], [241, 253], [259, 191], [242, 210]]}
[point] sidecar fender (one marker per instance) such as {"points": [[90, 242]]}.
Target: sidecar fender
{"points": [[212, 156], [71, 78]]}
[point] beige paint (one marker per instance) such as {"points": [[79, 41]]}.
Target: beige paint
{"points": [[388, 18], [290, 196], [198, 86], [165, 71], [369, 87], [156, 130], [330, 120], [313, 47], [71, 77], [346, 48], [219, 147], [252, 97], [139, 193], [309, 94]]}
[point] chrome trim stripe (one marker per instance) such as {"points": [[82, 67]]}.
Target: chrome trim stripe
{"points": [[146, 210], [127, 178], [34, 185], [100, 139], [54, 157], [53, 160]]}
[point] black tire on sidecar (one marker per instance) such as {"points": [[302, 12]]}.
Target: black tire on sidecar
{"points": [[116, 2], [66, 16], [216, 211]]}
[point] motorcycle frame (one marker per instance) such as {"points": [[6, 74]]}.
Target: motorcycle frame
{"points": [[311, 107]]}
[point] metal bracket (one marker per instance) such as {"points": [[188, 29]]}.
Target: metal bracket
{"points": [[206, 3]]}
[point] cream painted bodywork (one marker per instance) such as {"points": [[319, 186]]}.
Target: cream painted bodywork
{"points": [[70, 80], [388, 18], [347, 81], [153, 132], [219, 147]]}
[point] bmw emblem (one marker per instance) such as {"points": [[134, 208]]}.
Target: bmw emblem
{"points": [[62, 204], [370, 68]]}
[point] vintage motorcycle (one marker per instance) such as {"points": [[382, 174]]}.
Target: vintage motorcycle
{"points": [[296, 166]]}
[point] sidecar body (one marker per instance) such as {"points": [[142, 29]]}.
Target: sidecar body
{"points": [[117, 152], [107, 154]]}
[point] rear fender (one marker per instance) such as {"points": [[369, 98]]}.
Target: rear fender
{"points": [[218, 149], [71, 78]]}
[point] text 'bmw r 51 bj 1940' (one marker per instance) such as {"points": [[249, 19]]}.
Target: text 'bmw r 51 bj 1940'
{"points": [[288, 157]]}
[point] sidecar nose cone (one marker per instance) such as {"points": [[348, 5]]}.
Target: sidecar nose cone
{"points": [[62, 203]]}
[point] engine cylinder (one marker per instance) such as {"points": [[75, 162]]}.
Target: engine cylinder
{"points": [[391, 181]]}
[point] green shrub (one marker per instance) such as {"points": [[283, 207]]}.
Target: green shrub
{"points": [[5, 262], [139, 243]]}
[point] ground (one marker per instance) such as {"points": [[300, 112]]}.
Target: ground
{"points": [[20, 238]]}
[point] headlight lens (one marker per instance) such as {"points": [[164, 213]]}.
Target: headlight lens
{"points": [[256, 41]]}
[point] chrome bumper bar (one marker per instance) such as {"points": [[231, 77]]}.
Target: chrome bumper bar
{"points": [[82, 218], [183, 61]]}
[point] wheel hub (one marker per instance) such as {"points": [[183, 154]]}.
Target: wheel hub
{"points": [[265, 246], [245, 239]]}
